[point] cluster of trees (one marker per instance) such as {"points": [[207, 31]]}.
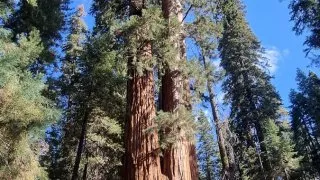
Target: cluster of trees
{"points": [[118, 102]]}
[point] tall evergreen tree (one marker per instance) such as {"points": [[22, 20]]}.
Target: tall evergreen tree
{"points": [[92, 94], [175, 97], [254, 101], [305, 122], [25, 112], [205, 30], [280, 147], [142, 159], [70, 95], [49, 17]]}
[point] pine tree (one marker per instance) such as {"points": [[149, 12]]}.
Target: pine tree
{"points": [[205, 30], [253, 99], [69, 95], [280, 147], [92, 93], [104, 143], [305, 15], [25, 112], [305, 122], [47, 16], [207, 150]]}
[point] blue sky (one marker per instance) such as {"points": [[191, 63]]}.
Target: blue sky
{"points": [[269, 20]]}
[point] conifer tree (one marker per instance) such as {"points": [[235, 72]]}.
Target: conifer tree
{"points": [[175, 98], [305, 15], [92, 93], [305, 122], [280, 147], [70, 95], [207, 150], [205, 30], [253, 99], [141, 160], [24, 111], [49, 17]]}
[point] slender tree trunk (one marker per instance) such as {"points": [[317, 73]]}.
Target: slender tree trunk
{"points": [[85, 170], [80, 145], [179, 160], [230, 142], [264, 162], [141, 161], [216, 122]]}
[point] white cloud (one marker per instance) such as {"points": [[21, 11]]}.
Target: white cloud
{"points": [[273, 55]]}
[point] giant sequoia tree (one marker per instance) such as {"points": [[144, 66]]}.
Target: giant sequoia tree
{"points": [[142, 159], [109, 81], [179, 160]]}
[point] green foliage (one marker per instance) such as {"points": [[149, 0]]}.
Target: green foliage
{"points": [[280, 149], [24, 111], [305, 15], [141, 31], [48, 17], [71, 96], [207, 150], [6, 6], [92, 89], [174, 126], [103, 146], [254, 100], [305, 122], [205, 30], [45, 15]]}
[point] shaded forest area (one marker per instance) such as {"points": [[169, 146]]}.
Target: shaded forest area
{"points": [[126, 101]]}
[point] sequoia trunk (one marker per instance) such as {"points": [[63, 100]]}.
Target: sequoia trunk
{"points": [[141, 161], [179, 160]]}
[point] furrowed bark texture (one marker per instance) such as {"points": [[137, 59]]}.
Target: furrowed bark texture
{"points": [[179, 160], [141, 161]]}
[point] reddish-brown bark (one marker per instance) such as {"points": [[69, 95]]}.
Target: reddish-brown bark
{"points": [[176, 158], [142, 160], [179, 159]]}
